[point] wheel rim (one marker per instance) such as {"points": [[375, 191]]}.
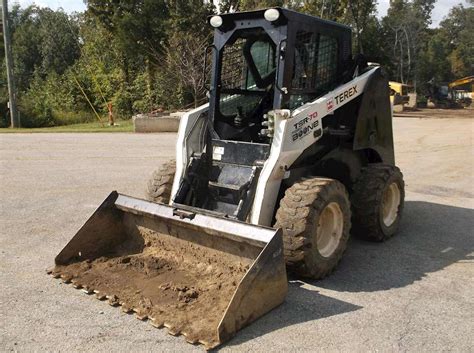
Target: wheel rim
{"points": [[330, 228], [390, 205]]}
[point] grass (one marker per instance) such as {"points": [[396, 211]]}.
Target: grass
{"points": [[122, 126]]}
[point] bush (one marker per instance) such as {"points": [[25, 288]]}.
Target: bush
{"points": [[34, 113], [421, 101], [69, 118], [32, 118], [50, 101]]}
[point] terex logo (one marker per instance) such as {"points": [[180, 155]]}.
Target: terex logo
{"points": [[330, 104], [345, 95]]}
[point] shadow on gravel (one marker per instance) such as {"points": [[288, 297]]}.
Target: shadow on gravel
{"points": [[301, 305], [431, 237]]}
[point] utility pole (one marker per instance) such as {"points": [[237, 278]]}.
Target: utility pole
{"points": [[9, 63]]}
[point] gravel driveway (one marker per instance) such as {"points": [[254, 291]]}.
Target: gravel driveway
{"points": [[412, 293]]}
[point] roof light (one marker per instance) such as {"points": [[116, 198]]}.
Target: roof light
{"points": [[271, 15], [216, 21]]}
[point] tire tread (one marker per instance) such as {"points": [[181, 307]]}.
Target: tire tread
{"points": [[161, 182], [294, 216], [367, 197]]}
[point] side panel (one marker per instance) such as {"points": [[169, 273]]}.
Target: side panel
{"points": [[191, 138], [374, 122]]}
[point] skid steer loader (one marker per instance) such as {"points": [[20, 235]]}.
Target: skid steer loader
{"points": [[294, 147]]}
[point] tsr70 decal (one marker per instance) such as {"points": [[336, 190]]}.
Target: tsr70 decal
{"points": [[305, 126]]}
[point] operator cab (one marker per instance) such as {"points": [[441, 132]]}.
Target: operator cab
{"points": [[270, 59], [262, 60]]}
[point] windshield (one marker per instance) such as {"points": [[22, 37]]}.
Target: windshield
{"points": [[247, 73]]}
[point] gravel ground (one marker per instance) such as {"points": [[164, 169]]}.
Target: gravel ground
{"points": [[412, 293]]}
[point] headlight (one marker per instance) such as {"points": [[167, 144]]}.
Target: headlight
{"points": [[271, 15], [216, 21]]}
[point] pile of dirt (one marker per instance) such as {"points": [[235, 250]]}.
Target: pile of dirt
{"points": [[178, 284]]}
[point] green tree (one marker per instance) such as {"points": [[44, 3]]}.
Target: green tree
{"points": [[138, 27], [59, 47], [406, 26], [189, 16], [248, 5], [25, 44], [435, 60], [331, 10], [44, 41], [185, 64], [139, 31], [189, 36], [360, 13], [143, 55], [457, 30]]}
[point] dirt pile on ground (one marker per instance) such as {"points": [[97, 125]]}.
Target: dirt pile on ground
{"points": [[181, 285]]}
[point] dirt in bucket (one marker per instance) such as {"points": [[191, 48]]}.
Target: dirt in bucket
{"points": [[181, 285]]}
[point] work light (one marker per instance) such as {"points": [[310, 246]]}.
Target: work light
{"points": [[216, 21], [271, 15]]}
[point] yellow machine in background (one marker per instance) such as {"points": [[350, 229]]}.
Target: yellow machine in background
{"points": [[465, 95], [399, 93], [463, 81]]}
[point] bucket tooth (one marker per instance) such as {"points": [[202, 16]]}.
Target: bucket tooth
{"points": [[206, 344], [76, 284], [126, 309], [88, 290], [113, 300], [173, 331], [190, 338], [157, 323], [141, 316], [66, 279], [192, 341], [100, 296], [203, 277]]}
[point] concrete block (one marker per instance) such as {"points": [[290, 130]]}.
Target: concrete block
{"points": [[178, 114], [412, 101], [398, 108], [144, 123]]}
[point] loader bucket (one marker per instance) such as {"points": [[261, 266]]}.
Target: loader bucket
{"points": [[200, 276]]}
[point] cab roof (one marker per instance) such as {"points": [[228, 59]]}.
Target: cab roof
{"points": [[289, 15]]}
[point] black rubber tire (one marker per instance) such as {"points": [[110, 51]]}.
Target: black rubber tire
{"points": [[367, 197], [161, 182], [298, 216]]}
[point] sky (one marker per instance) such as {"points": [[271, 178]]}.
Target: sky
{"points": [[440, 10], [67, 5]]}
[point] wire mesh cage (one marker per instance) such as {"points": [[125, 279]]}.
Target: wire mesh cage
{"points": [[234, 68], [315, 66], [247, 63]]}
